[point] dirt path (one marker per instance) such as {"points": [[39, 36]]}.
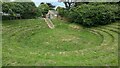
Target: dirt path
{"points": [[49, 23]]}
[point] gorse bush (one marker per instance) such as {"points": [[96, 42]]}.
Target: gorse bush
{"points": [[93, 15]]}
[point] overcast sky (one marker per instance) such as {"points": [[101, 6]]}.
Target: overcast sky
{"points": [[53, 2], [37, 2], [45, 0]]}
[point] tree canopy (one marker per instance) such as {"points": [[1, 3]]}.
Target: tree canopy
{"points": [[25, 9], [43, 8]]}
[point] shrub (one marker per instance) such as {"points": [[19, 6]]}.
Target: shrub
{"points": [[27, 10], [43, 8], [93, 15], [61, 11]]}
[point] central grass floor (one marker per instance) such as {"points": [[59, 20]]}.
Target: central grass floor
{"points": [[31, 43]]}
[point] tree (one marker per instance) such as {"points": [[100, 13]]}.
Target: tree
{"points": [[6, 0], [68, 3], [50, 5], [61, 11], [25, 9], [6, 7], [29, 10], [0, 8], [23, 1], [44, 8]]}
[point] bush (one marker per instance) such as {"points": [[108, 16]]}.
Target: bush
{"points": [[27, 10], [43, 9], [93, 15], [61, 11]]}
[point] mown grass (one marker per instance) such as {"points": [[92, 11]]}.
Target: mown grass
{"points": [[0, 43], [31, 42]]}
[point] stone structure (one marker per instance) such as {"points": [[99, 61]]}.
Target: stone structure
{"points": [[52, 14]]}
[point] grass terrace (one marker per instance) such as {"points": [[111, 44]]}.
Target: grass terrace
{"points": [[31, 42]]}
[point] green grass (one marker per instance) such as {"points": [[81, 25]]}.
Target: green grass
{"points": [[31, 42], [0, 43]]}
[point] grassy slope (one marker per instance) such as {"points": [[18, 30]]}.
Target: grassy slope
{"points": [[0, 43], [31, 42]]}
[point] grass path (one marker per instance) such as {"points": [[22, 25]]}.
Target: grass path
{"points": [[31, 42], [49, 23]]}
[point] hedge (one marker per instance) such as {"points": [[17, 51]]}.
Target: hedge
{"points": [[93, 15]]}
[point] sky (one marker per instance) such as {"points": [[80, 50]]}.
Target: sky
{"points": [[53, 2]]}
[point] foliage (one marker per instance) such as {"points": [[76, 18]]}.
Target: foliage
{"points": [[25, 9], [93, 15], [62, 11], [0, 7], [50, 5], [29, 10], [43, 8]]}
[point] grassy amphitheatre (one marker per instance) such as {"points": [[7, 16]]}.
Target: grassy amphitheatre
{"points": [[31, 42]]}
